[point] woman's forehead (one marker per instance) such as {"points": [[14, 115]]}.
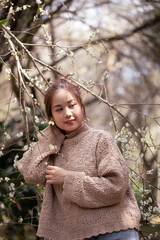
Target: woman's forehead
{"points": [[62, 96]]}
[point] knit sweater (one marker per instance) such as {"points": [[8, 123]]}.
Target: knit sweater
{"points": [[96, 197]]}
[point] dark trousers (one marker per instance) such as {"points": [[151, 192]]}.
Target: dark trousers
{"points": [[129, 234]]}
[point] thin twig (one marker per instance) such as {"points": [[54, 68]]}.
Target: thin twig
{"points": [[144, 179], [26, 50], [21, 91]]}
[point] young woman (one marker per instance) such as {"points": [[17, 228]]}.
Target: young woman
{"points": [[87, 190]]}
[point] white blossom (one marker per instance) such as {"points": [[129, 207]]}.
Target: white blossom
{"points": [[44, 122], [14, 100], [7, 135], [15, 161], [12, 187], [31, 145], [7, 179], [36, 119], [61, 52], [156, 234], [2, 206], [28, 109], [6, 35], [1, 153], [11, 194], [6, 221], [20, 220], [20, 134], [127, 124], [51, 122], [116, 119], [38, 2], [26, 6], [49, 42], [100, 61], [43, 12], [8, 70], [53, 147], [25, 147], [70, 54], [150, 172], [18, 9]]}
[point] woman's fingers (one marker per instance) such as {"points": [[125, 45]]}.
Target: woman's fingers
{"points": [[49, 176], [49, 171], [49, 167], [55, 175]]}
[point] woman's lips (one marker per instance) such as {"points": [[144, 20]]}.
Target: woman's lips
{"points": [[70, 121]]}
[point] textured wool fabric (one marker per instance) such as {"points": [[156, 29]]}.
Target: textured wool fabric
{"points": [[96, 196]]}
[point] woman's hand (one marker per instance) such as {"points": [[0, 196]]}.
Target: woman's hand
{"points": [[55, 175]]}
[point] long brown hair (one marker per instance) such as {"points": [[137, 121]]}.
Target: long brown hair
{"points": [[61, 84]]}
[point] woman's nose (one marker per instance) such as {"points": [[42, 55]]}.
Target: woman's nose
{"points": [[68, 112]]}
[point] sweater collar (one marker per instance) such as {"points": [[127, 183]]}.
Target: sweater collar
{"points": [[83, 128]]}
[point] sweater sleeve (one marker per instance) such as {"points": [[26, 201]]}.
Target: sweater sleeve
{"points": [[108, 187], [34, 161]]}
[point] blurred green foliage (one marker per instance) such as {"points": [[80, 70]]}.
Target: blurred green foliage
{"points": [[19, 202]]}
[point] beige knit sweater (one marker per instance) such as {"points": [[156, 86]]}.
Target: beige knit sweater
{"points": [[95, 198]]}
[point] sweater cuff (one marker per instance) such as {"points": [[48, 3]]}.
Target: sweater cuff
{"points": [[72, 187]]}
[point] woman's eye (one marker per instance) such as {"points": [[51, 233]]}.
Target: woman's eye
{"points": [[72, 105], [59, 109]]}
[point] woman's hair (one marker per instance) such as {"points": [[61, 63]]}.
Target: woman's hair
{"points": [[61, 84]]}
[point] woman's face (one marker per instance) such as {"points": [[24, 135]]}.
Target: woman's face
{"points": [[66, 111]]}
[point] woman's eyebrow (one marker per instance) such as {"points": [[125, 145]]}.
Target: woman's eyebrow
{"points": [[70, 100], [60, 105]]}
